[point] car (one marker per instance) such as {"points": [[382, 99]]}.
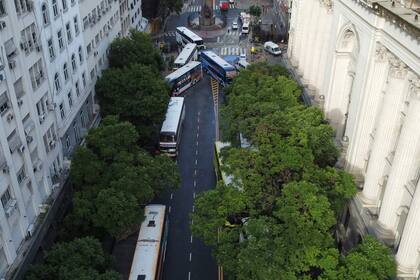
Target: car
{"points": [[231, 1], [234, 25], [242, 56], [272, 48]]}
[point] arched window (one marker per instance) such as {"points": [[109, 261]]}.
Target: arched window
{"points": [[45, 14], [66, 72], [73, 62], [57, 84], [80, 54], [55, 7], [64, 4]]}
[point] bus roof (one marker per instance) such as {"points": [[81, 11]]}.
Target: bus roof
{"points": [[189, 33], [181, 71], [173, 114], [146, 256], [218, 60], [185, 53]]}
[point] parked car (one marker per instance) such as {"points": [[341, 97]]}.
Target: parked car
{"points": [[224, 5], [231, 1], [272, 48], [234, 25], [241, 64]]}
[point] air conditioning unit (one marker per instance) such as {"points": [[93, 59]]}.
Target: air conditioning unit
{"points": [[20, 102], [6, 169], [12, 64], [52, 144], [29, 139], [21, 149], [9, 117], [2, 25], [42, 118], [10, 208], [51, 106]]}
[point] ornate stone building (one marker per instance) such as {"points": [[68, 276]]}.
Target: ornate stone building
{"points": [[360, 61]]}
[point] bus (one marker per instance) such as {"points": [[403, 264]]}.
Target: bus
{"points": [[150, 249], [171, 131], [217, 67], [184, 36], [188, 53], [184, 77]]}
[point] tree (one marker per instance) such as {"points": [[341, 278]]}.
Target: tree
{"points": [[81, 259], [370, 260], [116, 211], [137, 48], [166, 7], [255, 11], [136, 94]]}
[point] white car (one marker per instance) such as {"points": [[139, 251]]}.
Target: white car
{"points": [[272, 48], [234, 25], [231, 1]]}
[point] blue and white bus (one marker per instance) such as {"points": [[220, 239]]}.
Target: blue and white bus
{"points": [[217, 67], [184, 77]]}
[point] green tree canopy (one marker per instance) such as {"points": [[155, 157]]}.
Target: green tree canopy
{"points": [[166, 7], [137, 48], [79, 259], [136, 94], [255, 10]]}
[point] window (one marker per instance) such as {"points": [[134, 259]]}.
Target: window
{"points": [[60, 40], [64, 2], [23, 6], [5, 198], [2, 8], [51, 49], [89, 49], [73, 62], [66, 72], [85, 22], [57, 84], [55, 8], [76, 132], [21, 176], [76, 85], [76, 25], [73, 2], [40, 106], [68, 145], [82, 118], [49, 139], [37, 75], [45, 14], [80, 54], [4, 103], [70, 98], [62, 113], [84, 79], [28, 38], [68, 30]]}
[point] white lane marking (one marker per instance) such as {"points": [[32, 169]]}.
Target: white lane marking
{"points": [[192, 221], [194, 195], [195, 162], [195, 172], [191, 239], [190, 256], [198, 127], [196, 152], [172, 196], [195, 183], [197, 135], [189, 275], [193, 209], [196, 143], [170, 208]]}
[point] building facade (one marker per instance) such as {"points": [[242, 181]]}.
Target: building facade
{"points": [[51, 54], [30, 155], [360, 62]]}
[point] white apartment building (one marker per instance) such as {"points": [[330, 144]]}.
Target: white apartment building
{"points": [[63, 49], [30, 155], [124, 17], [135, 17], [360, 59]]}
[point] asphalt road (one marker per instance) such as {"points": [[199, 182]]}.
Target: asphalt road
{"points": [[186, 256]]}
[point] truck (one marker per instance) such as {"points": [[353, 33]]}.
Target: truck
{"points": [[246, 20]]}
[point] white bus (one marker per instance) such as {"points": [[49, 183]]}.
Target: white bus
{"points": [[184, 36], [188, 53], [151, 245], [171, 131], [184, 77]]}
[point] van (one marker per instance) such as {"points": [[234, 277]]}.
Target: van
{"points": [[245, 28], [272, 48], [241, 64]]}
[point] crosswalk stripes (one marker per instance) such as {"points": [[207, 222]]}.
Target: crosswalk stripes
{"points": [[196, 8], [231, 51], [169, 34], [233, 33]]}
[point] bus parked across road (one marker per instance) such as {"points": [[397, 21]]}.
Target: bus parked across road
{"points": [[217, 67], [184, 36], [171, 131], [188, 53], [184, 77], [151, 245]]}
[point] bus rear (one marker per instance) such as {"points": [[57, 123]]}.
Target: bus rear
{"points": [[171, 130]]}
